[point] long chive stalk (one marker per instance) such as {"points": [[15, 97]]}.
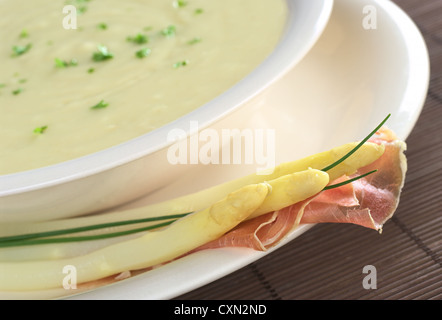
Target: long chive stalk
{"points": [[337, 185], [31, 242], [358, 146], [31, 236]]}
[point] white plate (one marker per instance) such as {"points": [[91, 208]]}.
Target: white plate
{"points": [[347, 84]]}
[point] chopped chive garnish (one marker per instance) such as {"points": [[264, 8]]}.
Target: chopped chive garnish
{"points": [[64, 64], [22, 80], [358, 146], [60, 63], [17, 91], [138, 39], [102, 54], [180, 64], [194, 41], [90, 70], [169, 31], [102, 26], [82, 10], [199, 11], [179, 3], [100, 105], [24, 34], [40, 130], [143, 53], [337, 185], [2, 85], [20, 50]]}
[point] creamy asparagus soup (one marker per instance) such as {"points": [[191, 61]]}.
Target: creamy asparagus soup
{"points": [[73, 82]]}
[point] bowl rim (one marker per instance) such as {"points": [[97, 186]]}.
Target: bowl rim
{"points": [[287, 53]]}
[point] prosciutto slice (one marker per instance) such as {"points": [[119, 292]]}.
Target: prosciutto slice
{"points": [[368, 202]]}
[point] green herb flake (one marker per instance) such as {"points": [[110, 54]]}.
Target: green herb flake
{"points": [[40, 130], [198, 11], [22, 80], [102, 54], [179, 3], [90, 70], [143, 53], [17, 91], [20, 50], [138, 39], [169, 31], [100, 105], [64, 64], [82, 10], [2, 85], [102, 26], [23, 34], [81, 5], [194, 41], [60, 63], [180, 64]]}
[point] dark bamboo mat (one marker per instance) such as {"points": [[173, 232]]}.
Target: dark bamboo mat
{"points": [[327, 261]]}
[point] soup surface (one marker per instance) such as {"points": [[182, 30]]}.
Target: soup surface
{"points": [[79, 76]]}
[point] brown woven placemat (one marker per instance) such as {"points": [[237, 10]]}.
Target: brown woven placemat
{"points": [[327, 261]]}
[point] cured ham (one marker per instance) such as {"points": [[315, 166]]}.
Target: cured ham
{"points": [[368, 202]]}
